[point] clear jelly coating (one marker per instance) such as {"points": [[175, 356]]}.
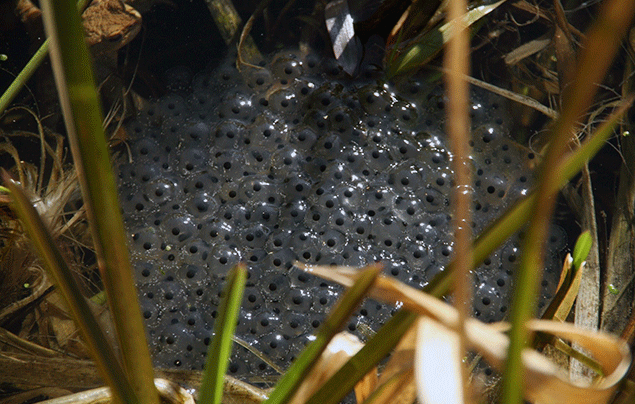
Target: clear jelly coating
{"points": [[294, 161]]}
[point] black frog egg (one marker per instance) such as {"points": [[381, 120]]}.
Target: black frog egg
{"points": [[192, 159], [146, 239], [201, 204], [375, 100], [276, 346], [228, 134], [254, 236], [145, 149], [283, 101], [286, 159], [266, 322], [230, 163], [304, 138], [256, 188], [323, 298], [275, 286], [294, 213], [298, 300], [172, 105], [162, 190], [293, 324], [223, 257], [178, 228], [408, 210], [406, 178], [342, 120], [282, 259], [286, 68], [257, 78], [489, 303]]}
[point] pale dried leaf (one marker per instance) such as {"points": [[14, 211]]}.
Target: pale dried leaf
{"points": [[438, 364], [64, 329], [398, 389], [170, 393], [525, 50], [544, 381], [346, 46], [397, 383], [341, 348], [572, 291]]}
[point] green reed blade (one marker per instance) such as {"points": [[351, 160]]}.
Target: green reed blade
{"points": [[582, 248], [221, 345], [431, 43], [83, 117], [517, 215], [25, 74], [54, 262], [338, 316]]}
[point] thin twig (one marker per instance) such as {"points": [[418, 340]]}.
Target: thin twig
{"points": [[457, 65], [519, 98]]}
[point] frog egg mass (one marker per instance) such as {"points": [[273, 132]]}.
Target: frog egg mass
{"points": [[292, 160]]}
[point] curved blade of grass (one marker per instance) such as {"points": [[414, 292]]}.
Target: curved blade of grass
{"points": [[582, 248], [519, 213], [382, 343], [566, 293], [562, 302], [345, 306], [25, 74], [83, 118], [432, 42], [598, 51], [54, 262], [224, 326]]}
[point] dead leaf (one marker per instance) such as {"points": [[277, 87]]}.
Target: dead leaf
{"points": [[544, 381], [341, 348], [438, 364], [397, 382], [346, 46]]}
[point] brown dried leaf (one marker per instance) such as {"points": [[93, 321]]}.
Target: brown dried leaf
{"points": [[544, 381], [62, 327], [438, 364], [341, 348], [397, 384], [347, 47]]}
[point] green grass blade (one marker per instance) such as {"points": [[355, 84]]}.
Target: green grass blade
{"points": [[347, 304], [92, 334], [432, 42], [211, 391], [83, 117], [25, 74], [582, 249], [562, 302]]}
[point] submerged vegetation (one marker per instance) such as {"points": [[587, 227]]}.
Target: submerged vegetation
{"points": [[83, 272]]}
